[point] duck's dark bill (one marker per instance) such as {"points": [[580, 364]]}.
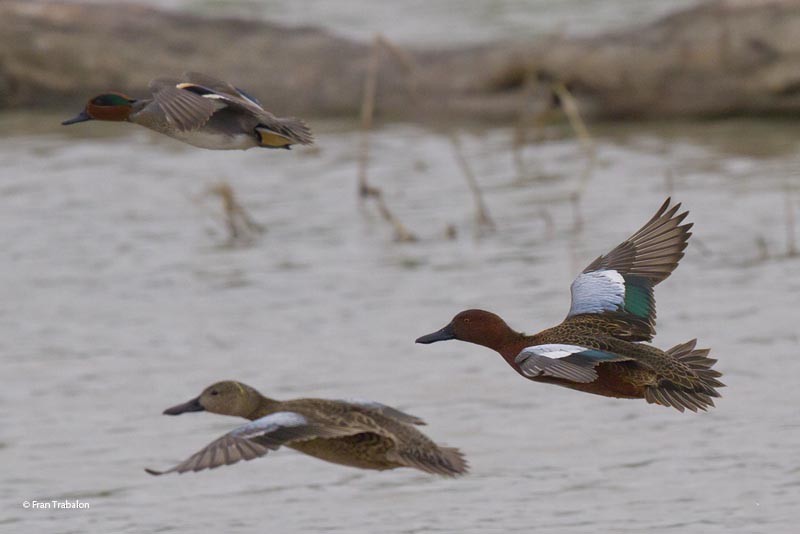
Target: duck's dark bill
{"points": [[80, 117], [440, 335], [191, 406]]}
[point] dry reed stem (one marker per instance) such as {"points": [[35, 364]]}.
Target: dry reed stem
{"points": [[481, 212], [365, 190], [401, 233], [239, 222], [570, 107], [791, 245], [520, 138], [368, 100], [405, 60], [529, 122], [367, 113]]}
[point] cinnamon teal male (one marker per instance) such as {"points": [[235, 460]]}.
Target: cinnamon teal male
{"points": [[363, 434], [201, 111], [599, 348]]}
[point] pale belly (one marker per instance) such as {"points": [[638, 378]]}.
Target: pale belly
{"points": [[216, 141]]}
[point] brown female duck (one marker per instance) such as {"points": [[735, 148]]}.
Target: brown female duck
{"points": [[599, 348], [362, 434]]}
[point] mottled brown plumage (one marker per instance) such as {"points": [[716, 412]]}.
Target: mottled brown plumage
{"points": [[361, 434], [599, 347]]}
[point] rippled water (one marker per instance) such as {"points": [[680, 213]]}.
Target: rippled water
{"points": [[121, 298]]}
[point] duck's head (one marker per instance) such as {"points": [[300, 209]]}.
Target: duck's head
{"points": [[474, 326], [105, 107], [227, 398]]}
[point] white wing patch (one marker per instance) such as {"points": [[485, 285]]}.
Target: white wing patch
{"points": [[597, 292], [550, 350], [547, 360], [269, 423]]}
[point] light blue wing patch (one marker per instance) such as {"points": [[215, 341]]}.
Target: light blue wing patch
{"points": [[245, 442], [269, 423], [568, 362], [597, 292]]}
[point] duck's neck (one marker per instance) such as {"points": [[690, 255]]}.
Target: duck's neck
{"points": [[511, 344], [264, 407]]}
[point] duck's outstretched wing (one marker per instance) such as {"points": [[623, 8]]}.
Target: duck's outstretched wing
{"points": [[219, 86], [255, 439], [386, 411], [569, 362], [393, 432], [185, 110], [274, 132], [620, 283]]}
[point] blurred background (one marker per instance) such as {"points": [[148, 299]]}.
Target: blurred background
{"points": [[129, 287]]}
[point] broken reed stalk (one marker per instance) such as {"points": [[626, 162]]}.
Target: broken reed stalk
{"points": [[481, 212], [368, 100], [367, 113], [401, 233], [528, 121], [405, 60], [520, 138], [239, 222], [570, 107]]}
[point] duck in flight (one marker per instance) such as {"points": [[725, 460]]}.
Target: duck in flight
{"points": [[201, 111], [601, 347], [356, 433]]}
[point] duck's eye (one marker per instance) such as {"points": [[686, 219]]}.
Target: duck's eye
{"points": [[214, 392], [466, 319]]}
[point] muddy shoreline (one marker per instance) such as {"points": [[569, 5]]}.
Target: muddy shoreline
{"points": [[722, 58]]}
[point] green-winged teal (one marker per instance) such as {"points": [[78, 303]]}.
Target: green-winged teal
{"points": [[363, 434], [599, 347], [201, 111]]}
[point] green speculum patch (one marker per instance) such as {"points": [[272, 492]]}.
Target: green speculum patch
{"points": [[637, 299]]}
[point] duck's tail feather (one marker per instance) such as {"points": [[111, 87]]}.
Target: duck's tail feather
{"points": [[445, 461], [703, 378], [282, 133]]}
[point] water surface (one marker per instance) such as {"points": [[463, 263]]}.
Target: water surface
{"points": [[123, 297]]}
